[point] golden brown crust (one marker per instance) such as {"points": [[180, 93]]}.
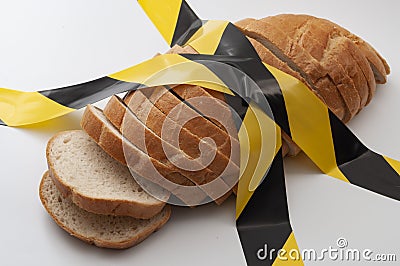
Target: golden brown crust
{"points": [[362, 81], [100, 243], [99, 205], [96, 129], [302, 30], [314, 69], [167, 101], [114, 112], [223, 198], [378, 64], [364, 66], [309, 68], [226, 124]]}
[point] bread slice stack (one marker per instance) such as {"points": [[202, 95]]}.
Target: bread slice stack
{"points": [[88, 184], [108, 231], [94, 197], [196, 160]]}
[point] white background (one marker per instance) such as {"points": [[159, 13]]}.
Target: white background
{"points": [[48, 44]]}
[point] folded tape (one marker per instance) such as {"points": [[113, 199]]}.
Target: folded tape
{"points": [[262, 213]]}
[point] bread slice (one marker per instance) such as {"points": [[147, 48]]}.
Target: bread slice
{"points": [[106, 231], [93, 180], [215, 99], [111, 141], [139, 121], [299, 61]]}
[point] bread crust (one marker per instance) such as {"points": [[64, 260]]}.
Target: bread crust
{"points": [[101, 243], [357, 60], [377, 63], [303, 30], [99, 205]]}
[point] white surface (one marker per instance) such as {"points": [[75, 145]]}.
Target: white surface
{"points": [[47, 44]]}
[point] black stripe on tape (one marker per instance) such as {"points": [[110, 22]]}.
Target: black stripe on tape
{"points": [[264, 223], [80, 95], [361, 166], [187, 24], [234, 43], [255, 70]]}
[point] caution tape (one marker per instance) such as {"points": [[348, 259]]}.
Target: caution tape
{"points": [[262, 213]]}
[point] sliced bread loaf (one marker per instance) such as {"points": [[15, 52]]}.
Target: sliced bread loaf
{"points": [[93, 180], [138, 122], [185, 141], [106, 231]]}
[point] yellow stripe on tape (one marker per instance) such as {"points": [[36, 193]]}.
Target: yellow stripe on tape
{"points": [[259, 139], [291, 255], [171, 69], [207, 38], [309, 121], [18, 108], [163, 15], [393, 163], [267, 145]]}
